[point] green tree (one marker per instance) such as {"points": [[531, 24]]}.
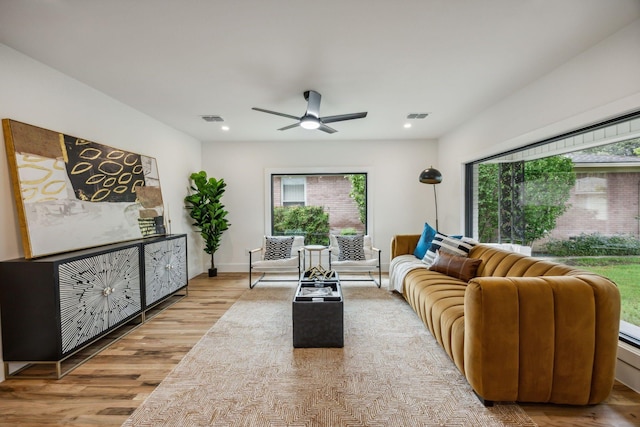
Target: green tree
{"points": [[548, 183], [630, 148], [488, 202], [310, 221], [359, 194], [547, 188]]}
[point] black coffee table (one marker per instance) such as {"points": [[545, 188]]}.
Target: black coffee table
{"points": [[318, 316]]}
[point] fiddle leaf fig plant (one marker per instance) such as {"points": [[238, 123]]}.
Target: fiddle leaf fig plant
{"points": [[208, 213]]}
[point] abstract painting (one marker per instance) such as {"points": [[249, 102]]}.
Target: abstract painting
{"points": [[72, 193]]}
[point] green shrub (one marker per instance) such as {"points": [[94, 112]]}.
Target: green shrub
{"points": [[594, 245], [309, 221], [348, 231]]}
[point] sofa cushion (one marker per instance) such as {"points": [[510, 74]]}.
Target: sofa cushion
{"points": [[277, 247], [428, 233], [460, 267], [453, 245]]}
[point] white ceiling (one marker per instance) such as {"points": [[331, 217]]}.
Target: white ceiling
{"points": [[178, 60]]}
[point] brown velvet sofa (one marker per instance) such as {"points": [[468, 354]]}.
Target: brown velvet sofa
{"points": [[524, 329]]}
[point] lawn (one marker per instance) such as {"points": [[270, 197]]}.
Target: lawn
{"points": [[625, 272]]}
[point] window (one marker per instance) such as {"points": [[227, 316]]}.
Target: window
{"points": [[293, 191], [318, 204], [577, 195]]}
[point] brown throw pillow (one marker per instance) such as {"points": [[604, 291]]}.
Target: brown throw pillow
{"points": [[460, 267]]}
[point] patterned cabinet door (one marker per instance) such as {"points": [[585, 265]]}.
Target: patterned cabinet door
{"points": [[97, 293], [165, 268]]}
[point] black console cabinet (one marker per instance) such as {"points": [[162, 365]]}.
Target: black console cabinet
{"points": [[165, 268], [52, 307]]}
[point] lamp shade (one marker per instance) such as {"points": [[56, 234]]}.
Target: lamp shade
{"points": [[430, 176]]}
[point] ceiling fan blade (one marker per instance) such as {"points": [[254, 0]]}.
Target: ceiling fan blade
{"points": [[342, 117], [313, 102], [276, 113], [327, 129], [295, 125]]}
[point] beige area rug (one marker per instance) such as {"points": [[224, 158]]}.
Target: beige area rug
{"points": [[391, 372]]}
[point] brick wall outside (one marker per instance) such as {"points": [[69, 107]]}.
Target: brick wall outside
{"points": [[618, 208], [332, 193], [277, 191]]}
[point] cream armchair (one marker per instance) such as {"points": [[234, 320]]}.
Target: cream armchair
{"points": [[275, 257], [355, 255]]}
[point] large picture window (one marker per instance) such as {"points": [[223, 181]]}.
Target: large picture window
{"points": [[318, 204], [574, 199]]}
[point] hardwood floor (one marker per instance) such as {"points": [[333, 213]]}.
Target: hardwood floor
{"points": [[107, 388]]}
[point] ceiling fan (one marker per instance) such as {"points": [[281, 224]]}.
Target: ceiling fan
{"points": [[311, 118]]}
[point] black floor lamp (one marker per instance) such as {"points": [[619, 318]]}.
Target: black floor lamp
{"points": [[432, 176]]}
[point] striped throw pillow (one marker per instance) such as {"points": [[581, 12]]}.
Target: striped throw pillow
{"points": [[455, 246]]}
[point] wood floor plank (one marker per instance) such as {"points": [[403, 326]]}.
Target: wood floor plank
{"points": [[105, 390]]}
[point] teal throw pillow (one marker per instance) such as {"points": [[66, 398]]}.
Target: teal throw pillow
{"points": [[428, 233]]}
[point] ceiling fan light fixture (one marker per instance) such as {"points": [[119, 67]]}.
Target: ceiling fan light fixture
{"points": [[310, 123], [311, 118]]}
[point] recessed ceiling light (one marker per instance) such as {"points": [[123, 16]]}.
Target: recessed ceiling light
{"points": [[407, 125], [225, 128]]}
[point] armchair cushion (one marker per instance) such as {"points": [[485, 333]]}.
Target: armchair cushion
{"points": [[277, 248]]}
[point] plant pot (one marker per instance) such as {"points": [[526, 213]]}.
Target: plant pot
{"points": [[213, 272]]}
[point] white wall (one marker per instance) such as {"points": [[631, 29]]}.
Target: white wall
{"points": [[600, 83], [399, 203], [38, 95]]}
